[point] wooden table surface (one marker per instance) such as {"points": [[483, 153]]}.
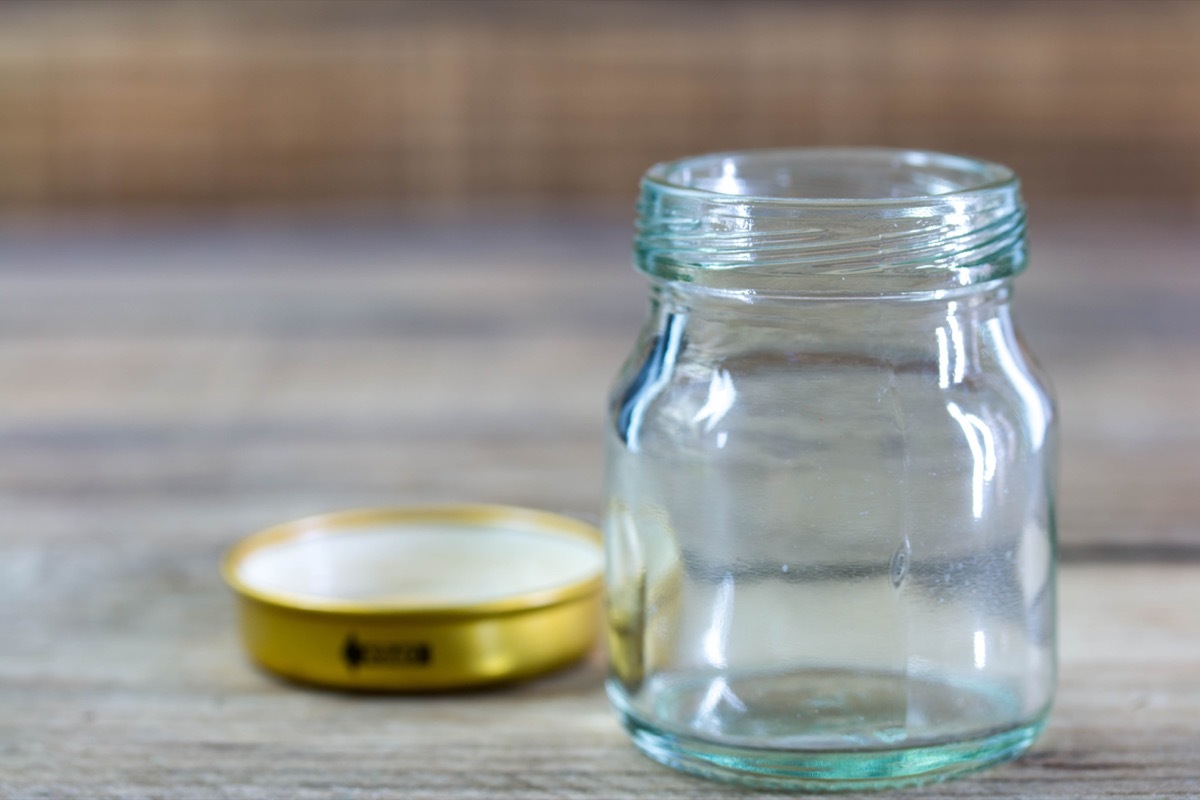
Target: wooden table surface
{"points": [[164, 392]]}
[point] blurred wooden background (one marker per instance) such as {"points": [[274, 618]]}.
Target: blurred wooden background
{"points": [[451, 105]]}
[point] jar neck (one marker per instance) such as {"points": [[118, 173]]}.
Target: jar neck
{"points": [[831, 222], [946, 331]]}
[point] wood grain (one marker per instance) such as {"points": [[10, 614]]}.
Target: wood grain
{"points": [[207, 104], [166, 393]]}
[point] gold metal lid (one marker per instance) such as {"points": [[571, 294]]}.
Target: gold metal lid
{"points": [[419, 598]]}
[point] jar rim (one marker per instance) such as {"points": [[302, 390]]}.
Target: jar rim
{"points": [[891, 220], [971, 176]]}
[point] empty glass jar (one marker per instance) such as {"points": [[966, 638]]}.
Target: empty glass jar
{"points": [[830, 514]]}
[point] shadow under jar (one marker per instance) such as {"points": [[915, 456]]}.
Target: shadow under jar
{"points": [[830, 487]]}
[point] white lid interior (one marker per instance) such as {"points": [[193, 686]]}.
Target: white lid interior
{"points": [[421, 564]]}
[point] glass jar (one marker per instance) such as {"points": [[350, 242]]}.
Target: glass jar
{"points": [[831, 466]]}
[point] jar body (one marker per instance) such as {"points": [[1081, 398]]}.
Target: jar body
{"points": [[830, 536]]}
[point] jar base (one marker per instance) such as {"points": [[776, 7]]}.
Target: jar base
{"points": [[829, 770]]}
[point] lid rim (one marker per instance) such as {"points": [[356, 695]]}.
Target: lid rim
{"points": [[480, 515]]}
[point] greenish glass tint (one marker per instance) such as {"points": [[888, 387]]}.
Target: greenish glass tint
{"points": [[831, 466]]}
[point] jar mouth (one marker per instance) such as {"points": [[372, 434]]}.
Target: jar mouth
{"points": [[830, 220], [831, 175]]}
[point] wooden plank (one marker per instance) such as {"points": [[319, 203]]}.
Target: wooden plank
{"points": [[452, 104], [380, 365], [128, 683], [166, 394]]}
